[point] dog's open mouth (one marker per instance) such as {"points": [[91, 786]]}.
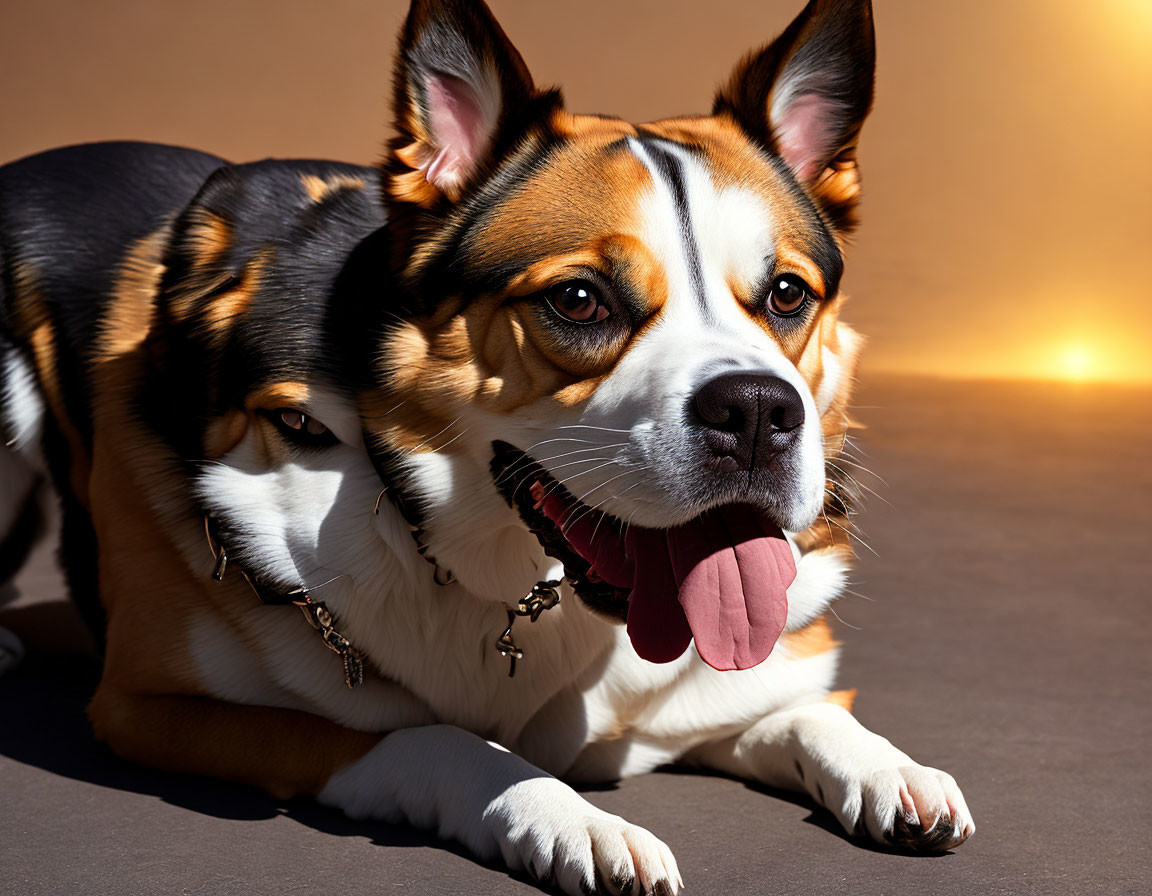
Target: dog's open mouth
{"points": [[720, 579]]}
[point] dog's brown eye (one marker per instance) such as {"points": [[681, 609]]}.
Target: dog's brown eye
{"points": [[579, 301], [788, 295], [299, 427]]}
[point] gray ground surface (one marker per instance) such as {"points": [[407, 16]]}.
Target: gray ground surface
{"points": [[1006, 640]]}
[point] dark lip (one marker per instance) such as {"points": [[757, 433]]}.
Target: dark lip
{"points": [[513, 473]]}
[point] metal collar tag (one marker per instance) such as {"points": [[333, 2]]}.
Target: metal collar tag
{"points": [[543, 596]]}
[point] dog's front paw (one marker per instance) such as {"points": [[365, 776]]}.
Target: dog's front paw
{"points": [[545, 828], [910, 807]]}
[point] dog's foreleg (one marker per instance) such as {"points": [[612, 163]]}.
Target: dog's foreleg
{"points": [[434, 776], [867, 783], [282, 751], [502, 807]]}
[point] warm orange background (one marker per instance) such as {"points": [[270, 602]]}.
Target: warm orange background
{"points": [[1008, 179]]}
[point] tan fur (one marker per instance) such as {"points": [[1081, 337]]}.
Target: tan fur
{"points": [[815, 638], [223, 308], [209, 234], [227, 740], [129, 314], [224, 433], [845, 699], [319, 188]]}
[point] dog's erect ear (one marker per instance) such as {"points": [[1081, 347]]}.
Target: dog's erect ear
{"points": [[805, 97], [462, 91]]}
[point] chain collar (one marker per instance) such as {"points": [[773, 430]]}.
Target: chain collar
{"points": [[543, 596], [315, 611]]}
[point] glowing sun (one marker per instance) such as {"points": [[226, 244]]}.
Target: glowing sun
{"points": [[1076, 362]]}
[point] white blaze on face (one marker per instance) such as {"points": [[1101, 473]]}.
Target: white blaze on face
{"points": [[704, 238]]}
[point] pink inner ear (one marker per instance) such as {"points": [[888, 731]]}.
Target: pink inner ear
{"points": [[458, 128], [804, 133]]}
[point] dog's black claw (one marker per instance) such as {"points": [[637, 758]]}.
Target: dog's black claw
{"points": [[623, 885], [912, 836], [662, 888]]}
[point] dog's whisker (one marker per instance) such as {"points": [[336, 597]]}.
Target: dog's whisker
{"points": [[565, 439], [615, 460], [590, 426], [828, 524], [569, 478], [576, 514], [559, 483], [433, 438], [309, 588], [566, 525], [395, 408], [596, 528], [581, 451], [841, 621], [529, 462], [607, 461], [854, 537], [861, 467], [628, 522], [619, 495], [584, 460], [451, 440], [602, 484], [856, 483], [522, 464]]}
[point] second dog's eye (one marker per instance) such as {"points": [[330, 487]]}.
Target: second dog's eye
{"points": [[299, 427], [788, 295], [578, 301]]}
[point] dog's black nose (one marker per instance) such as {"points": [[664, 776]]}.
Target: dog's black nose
{"points": [[748, 418]]}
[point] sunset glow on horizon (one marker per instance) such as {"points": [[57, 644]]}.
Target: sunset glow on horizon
{"points": [[1078, 358], [1077, 363]]}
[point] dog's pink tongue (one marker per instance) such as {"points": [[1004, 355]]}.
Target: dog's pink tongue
{"points": [[721, 579], [733, 567]]}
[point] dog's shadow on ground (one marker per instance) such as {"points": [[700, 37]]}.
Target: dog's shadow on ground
{"points": [[817, 816], [43, 703]]}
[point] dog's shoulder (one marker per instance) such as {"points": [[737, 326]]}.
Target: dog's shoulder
{"points": [[67, 217]]}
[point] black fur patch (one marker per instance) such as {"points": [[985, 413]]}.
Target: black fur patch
{"points": [[289, 252]]}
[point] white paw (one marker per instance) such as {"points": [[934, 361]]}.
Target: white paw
{"points": [[907, 806], [545, 828]]}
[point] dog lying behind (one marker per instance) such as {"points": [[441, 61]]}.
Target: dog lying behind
{"points": [[536, 427]]}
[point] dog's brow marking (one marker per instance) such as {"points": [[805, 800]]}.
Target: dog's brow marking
{"points": [[667, 170]]}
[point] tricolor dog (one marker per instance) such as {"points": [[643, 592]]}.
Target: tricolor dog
{"points": [[428, 488]]}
